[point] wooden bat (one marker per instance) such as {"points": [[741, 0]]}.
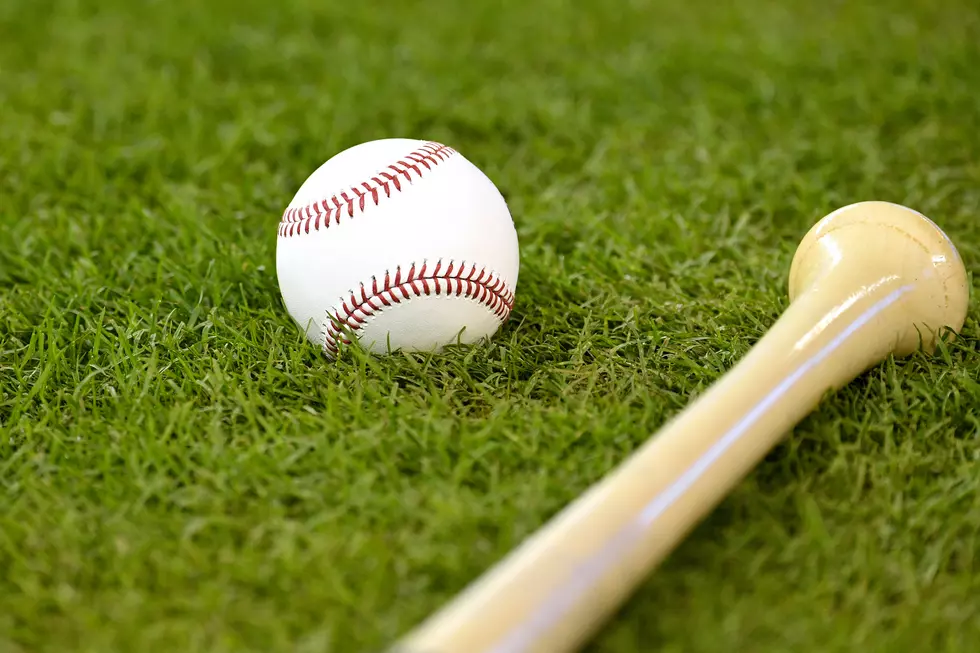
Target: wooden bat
{"points": [[870, 280]]}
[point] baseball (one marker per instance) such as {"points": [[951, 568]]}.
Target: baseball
{"points": [[398, 244]]}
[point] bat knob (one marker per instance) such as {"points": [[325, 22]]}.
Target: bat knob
{"points": [[872, 250]]}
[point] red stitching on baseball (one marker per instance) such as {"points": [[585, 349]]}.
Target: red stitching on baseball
{"points": [[413, 166], [488, 289]]}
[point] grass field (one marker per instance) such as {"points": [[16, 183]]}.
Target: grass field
{"points": [[180, 471]]}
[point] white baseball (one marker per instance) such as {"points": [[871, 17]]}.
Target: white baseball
{"points": [[402, 244]]}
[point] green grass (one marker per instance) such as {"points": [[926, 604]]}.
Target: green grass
{"points": [[180, 471]]}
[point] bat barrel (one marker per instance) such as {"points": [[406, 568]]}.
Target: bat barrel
{"points": [[850, 309]]}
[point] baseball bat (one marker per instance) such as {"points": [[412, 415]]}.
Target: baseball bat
{"points": [[868, 281]]}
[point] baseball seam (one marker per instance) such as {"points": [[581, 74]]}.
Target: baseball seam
{"points": [[448, 278], [321, 213]]}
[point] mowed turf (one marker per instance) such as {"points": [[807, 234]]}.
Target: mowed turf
{"points": [[180, 471]]}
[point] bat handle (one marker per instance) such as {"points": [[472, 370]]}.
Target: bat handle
{"points": [[869, 280]]}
